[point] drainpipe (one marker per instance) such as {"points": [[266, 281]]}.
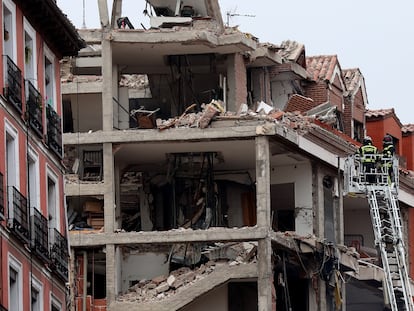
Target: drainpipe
{"points": [[85, 281]]}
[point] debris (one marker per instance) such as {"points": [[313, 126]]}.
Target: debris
{"points": [[173, 122], [160, 287], [264, 107]]}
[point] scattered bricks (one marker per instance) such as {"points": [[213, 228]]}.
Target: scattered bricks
{"points": [[180, 271], [171, 279], [150, 286], [159, 279], [210, 263], [177, 283], [277, 115], [202, 269], [189, 277], [162, 288]]}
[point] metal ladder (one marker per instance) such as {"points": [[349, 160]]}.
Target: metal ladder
{"points": [[386, 220]]}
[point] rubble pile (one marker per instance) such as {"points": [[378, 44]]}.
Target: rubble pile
{"points": [[163, 286], [134, 81], [160, 287], [214, 111]]}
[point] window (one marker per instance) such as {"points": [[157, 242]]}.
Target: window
{"points": [[53, 204], [55, 304], [9, 31], [49, 79], [36, 295], [29, 53], [12, 154], [15, 285]]}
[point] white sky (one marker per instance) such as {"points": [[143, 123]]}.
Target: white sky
{"points": [[375, 36]]}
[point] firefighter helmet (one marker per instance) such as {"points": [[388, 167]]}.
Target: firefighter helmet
{"points": [[367, 140], [387, 140]]}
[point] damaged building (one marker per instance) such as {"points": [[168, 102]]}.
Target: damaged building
{"points": [[204, 169]]}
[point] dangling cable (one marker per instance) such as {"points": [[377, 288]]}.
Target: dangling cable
{"points": [[288, 305]]}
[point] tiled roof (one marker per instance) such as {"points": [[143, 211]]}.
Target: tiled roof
{"points": [[352, 77], [321, 67], [291, 50], [379, 113], [408, 128]]}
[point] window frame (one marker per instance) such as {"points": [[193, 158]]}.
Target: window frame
{"points": [[38, 286], [28, 28], [11, 6], [47, 54]]}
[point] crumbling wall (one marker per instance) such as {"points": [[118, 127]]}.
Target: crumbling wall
{"points": [[301, 176]]}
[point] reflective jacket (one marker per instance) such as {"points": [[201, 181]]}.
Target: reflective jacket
{"points": [[388, 151], [365, 151]]}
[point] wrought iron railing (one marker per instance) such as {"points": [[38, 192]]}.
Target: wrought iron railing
{"points": [[1, 196], [40, 240], [54, 132], [18, 215], [13, 83], [59, 255], [34, 108]]}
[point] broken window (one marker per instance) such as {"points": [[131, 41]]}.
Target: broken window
{"points": [[92, 165], [283, 207], [85, 213]]}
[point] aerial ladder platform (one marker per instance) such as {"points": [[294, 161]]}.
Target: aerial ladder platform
{"points": [[380, 185]]}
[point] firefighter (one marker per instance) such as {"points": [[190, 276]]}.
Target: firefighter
{"points": [[388, 152], [368, 153]]}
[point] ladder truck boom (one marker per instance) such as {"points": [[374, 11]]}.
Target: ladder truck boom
{"points": [[380, 185]]}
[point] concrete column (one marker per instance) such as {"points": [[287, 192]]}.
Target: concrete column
{"points": [[109, 196], [263, 181], [265, 275], [236, 82], [110, 274], [116, 12], [107, 86], [103, 13]]}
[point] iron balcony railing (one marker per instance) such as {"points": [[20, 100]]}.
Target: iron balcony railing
{"points": [[13, 83], [40, 240], [34, 108], [1, 197], [59, 255], [18, 215], [54, 132]]}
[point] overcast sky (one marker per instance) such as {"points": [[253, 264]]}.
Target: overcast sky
{"points": [[375, 36]]}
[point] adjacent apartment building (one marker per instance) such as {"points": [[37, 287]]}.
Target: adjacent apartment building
{"points": [[34, 252], [204, 170]]}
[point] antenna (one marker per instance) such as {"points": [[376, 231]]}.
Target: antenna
{"points": [[84, 19], [229, 14]]}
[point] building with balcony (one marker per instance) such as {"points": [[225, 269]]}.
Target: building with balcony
{"points": [[33, 230], [204, 170]]}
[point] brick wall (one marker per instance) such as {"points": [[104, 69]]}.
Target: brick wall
{"points": [[359, 107], [347, 117], [317, 91], [408, 149], [377, 128]]}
